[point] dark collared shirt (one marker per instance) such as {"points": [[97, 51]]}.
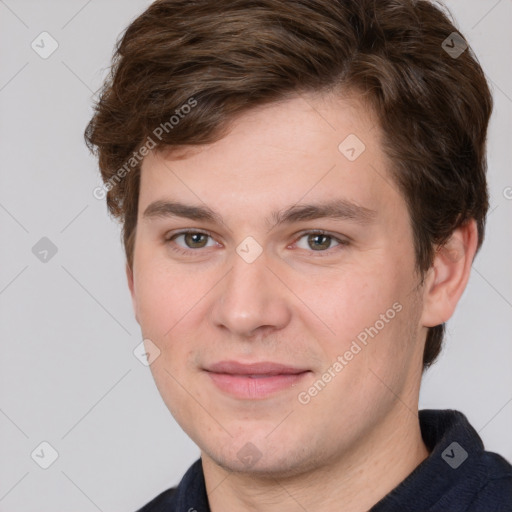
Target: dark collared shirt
{"points": [[457, 476]]}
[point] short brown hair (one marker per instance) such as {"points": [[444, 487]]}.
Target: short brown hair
{"points": [[230, 56]]}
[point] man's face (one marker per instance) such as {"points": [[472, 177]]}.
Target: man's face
{"points": [[343, 307]]}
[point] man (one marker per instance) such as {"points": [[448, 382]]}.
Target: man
{"points": [[302, 190]]}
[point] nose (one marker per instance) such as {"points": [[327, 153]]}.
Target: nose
{"points": [[252, 299]]}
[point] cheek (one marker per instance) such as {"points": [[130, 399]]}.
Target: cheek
{"points": [[165, 305], [350, 301], [372, 324], [161, 299]]}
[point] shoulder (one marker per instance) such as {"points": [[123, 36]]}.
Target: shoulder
{"points": [[495, 490], [160, 503]]}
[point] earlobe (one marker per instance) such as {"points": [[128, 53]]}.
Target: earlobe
{"points": [[449, 275]]}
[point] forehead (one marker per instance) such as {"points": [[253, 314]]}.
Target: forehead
{"points": [[301, 150]]}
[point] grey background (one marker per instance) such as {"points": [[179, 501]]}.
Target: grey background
{"points": [[67, 372]]}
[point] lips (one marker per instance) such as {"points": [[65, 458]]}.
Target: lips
{"points": [[255, 381], [254, 369]]}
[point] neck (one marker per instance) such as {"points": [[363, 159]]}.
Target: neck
{"points": [[354, 482]]}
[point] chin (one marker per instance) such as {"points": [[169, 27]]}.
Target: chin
{"points": [[269, 462]]}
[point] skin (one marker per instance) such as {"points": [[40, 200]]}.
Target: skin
{"points": [[359, 437]]}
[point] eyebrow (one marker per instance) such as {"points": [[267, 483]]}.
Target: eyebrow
{"points": [[338, 209]]}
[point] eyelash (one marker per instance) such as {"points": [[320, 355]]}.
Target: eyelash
{"points": [[181, 250]]}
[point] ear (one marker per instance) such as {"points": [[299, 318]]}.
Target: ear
{"points": [[449, 275], [129, 277]]}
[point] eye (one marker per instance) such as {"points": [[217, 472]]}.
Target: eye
{"points": [[192, 239], [320, 241]]}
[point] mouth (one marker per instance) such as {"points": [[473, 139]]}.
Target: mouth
{"points": [[256, 380]]}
